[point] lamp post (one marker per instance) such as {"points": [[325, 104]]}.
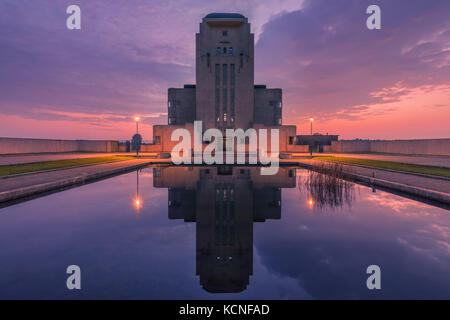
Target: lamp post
{"points": [[311, 147], [137, 124], [137, 132]]}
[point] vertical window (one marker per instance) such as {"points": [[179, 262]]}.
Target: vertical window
{"points": [[218, 50], [232, 83], [224, 49], [230, 50], [171, 114], [276, 111], [174, 114], [224, 33], [224, 106], [232, 104], [291, 140], [225, 93], [217, 106], [232, 75], [217, 75], [225, 75]]}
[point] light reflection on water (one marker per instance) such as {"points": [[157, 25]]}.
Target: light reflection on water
{"points": [[196, 232], [326, 191]]}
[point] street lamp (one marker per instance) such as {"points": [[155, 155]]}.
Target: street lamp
{"points": [[137, 124], [311, 146], [137, 133]]}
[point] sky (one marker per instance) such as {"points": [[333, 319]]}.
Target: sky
{"points": [[392, 83]]}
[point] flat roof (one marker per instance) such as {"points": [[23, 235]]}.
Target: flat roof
{"points": [[223, 15]]}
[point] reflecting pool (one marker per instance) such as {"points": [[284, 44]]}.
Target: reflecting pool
{"points": [[223, 233]]}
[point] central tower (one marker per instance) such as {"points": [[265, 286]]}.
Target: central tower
{"points": [[224, 95], [225, 72]]}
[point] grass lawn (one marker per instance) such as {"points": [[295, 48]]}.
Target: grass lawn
{"points": [[49, 165], [437, 171]]}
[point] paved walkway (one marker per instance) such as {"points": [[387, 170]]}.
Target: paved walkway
{"points": [[438, 161], [440, 185], [30, 184], [28, 158]]}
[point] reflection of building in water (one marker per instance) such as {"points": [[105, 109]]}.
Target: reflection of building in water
{"points": [[224, 202]]}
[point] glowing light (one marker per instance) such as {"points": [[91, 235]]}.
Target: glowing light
{"points": [[311, 119], [137, 118], [310, 203], [138, 204]]}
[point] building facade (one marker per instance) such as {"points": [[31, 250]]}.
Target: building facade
{"points": [[224, 96]]}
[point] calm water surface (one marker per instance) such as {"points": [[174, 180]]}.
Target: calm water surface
{"points": [[208, 233]]}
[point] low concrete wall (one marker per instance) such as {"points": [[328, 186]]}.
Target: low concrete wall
{"points": [[24, 145], [350, 146], [150, 148], [297, 148], [423, 146], [428, 146]]}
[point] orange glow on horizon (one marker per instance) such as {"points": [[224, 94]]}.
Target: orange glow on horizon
{"points": [[97, 129], [421, 113]]}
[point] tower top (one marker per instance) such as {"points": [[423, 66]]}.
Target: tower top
{"points": [[217, 15], [224, 19]]}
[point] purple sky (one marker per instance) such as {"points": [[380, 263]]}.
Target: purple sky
{"points": [[89, 83]]}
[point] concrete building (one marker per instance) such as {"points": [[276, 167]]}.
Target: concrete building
{"points": [[317, 142], [224, 96]]}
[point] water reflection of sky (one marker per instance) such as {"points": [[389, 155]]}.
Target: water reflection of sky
{"points": [[308, 253]]}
